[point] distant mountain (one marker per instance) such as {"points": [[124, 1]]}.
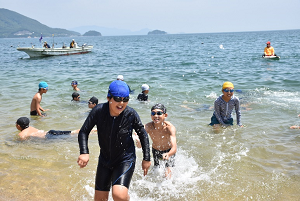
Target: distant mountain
{"points": [[156, 32], [92, 33], [15, 25], [110, 31]]}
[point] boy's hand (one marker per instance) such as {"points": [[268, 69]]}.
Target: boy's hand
{"points": [[83, 160], [146, 166], [165, 156]]}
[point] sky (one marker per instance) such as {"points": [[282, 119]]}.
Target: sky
{"points": [[172, 16]]}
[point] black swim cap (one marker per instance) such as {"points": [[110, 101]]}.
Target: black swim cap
{"points": [[23, 122], [94, 100], [160, 107], [75, 95]]}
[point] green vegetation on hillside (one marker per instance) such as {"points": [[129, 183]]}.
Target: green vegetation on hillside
{"points": [[15, 25], [92, 33], [156, 32]]}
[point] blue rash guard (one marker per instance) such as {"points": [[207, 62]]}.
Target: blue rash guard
{"points": [[114, 135]]}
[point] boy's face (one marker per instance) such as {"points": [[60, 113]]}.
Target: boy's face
{"points": [[228, 92], [18, 127], [146, 91], [91, 105], [158, 116], [116, 108], [76, 98]]}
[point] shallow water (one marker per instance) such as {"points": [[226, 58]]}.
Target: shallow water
{"points": [[185, 72]]}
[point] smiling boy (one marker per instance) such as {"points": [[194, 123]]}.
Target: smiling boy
{"points": [[115, 122], [163, 135], [224, 106]]}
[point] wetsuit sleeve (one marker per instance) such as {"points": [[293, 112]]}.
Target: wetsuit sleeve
{"points": [[217, 107], [85, 130], [238, 112], [141, 132]]}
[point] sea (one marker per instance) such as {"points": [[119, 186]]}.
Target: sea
{"points": [[185, 72]]}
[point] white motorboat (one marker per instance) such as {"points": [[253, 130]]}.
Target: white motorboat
{"points": [[43, 52]]}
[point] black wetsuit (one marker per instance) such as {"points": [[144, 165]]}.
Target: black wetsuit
{"points": [[142, 97], [116, 143]]}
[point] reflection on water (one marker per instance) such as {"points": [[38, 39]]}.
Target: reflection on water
{"points": [[185, 72]]}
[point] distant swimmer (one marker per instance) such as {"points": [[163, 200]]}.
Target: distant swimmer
{"points": [[27, 131], [163, 135], [75, 97], [35, 107], [295, 127], [74, 84], [224, 106], [93, 102], [121, 77], [144, 95], [269, 50]]}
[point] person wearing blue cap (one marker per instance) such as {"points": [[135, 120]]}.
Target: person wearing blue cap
{"points": [[74, 84], [115, 123], [35, 107]]}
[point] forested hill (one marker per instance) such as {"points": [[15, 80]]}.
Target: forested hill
{"points": [[15, 25]]}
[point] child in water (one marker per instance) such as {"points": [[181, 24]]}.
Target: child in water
{"points": [[27, 131], [163, 135], [74, 84], [223, 107], [144, 95]]}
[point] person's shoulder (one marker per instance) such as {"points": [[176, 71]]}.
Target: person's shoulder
{"points": [[27, 132], [169, 125], [235, 98], [149, 124], [219, 98], [129, 110], [101, 106]]}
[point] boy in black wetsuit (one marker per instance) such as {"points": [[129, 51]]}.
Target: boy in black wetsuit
{"points": [[144, 95], [115, 122]]}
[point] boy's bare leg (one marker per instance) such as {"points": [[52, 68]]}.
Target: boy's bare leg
{"points": [[101, 195], [120, 193]]}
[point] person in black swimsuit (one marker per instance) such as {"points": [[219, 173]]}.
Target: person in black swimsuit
{"points": [[115, 122]]}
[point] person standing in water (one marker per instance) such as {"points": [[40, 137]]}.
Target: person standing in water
{"points": [[35, 107], [74, 84], [223, 107], [163, 135], [144, 95], [115, 122]]}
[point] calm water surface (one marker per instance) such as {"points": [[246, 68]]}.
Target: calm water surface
{"points": [[185, 72]]}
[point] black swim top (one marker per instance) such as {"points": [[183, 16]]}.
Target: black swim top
{"points": [[114, 135]]}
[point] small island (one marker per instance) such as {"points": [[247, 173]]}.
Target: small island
{"points": [[156, 32], [92, 33]]}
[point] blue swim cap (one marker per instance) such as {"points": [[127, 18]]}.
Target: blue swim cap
{"points": [[43, 85], [118, 88]]}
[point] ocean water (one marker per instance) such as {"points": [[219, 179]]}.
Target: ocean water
{"points": [[185, 72]]}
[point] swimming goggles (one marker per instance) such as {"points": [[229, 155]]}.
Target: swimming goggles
{"points": [[228, 90], [157, 113], [120, 99]]}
